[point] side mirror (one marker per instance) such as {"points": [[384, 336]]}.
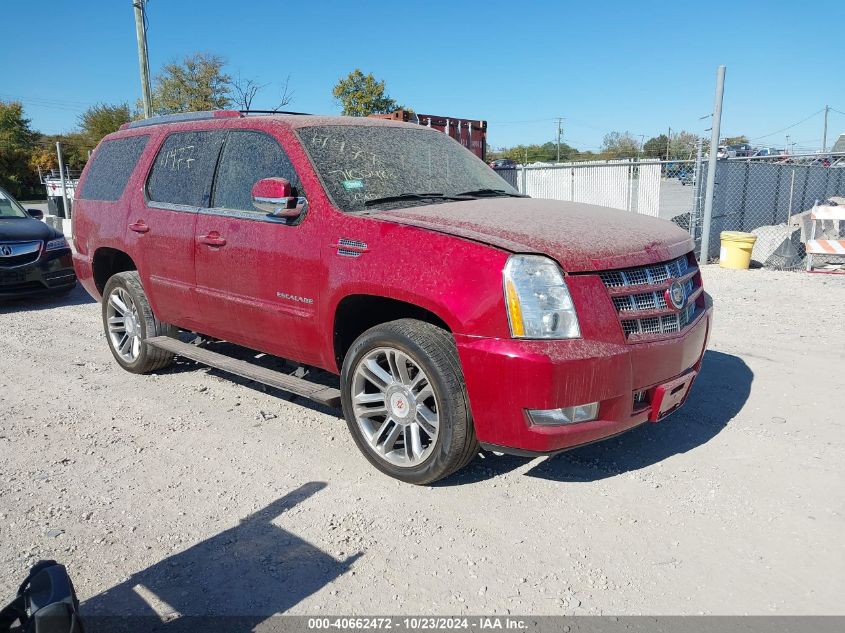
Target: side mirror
{"points": [[38, 214], [275, 197]]}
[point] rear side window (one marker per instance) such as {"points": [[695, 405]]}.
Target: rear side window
{"points": [[111, 166], [184, 168], [247, 158]]}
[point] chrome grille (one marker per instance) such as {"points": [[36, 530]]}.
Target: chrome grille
{"points": [[660, 325], [646, 301], [13, 254], [667, 320]]}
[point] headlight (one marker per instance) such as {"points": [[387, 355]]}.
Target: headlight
{"points": [[537, 299], [57, 244]]}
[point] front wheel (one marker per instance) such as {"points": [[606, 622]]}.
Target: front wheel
{"points": [[128, 321], [405, 401]]}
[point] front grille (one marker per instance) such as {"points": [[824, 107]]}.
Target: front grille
{"points": [[638, 294], [13, 254]]}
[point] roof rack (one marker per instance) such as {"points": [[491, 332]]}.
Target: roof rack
{"points": [[200, 116], [260, 112], [181, 116]]}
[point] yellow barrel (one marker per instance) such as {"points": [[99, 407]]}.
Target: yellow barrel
{"points": [[736, 249]]}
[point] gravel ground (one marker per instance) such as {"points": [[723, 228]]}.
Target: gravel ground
{"points": [[186, 492]]}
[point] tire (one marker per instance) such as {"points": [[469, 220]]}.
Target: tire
{"points": [[431, 366], [142, 358]]}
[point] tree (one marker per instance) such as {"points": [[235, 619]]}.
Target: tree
{"points": [[655, 147], [361, 95], [197, 83], [735, 140], [103, 119], [620, 145], [683, 145], [17, 143], [245, 90]]}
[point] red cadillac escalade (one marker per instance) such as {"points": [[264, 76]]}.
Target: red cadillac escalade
{"points": [[459, 314]]}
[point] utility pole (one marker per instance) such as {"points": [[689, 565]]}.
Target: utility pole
{"points": [[668, 142], [559, 121], [824, 134], [143, 60], [711, 165], [787, 144]]}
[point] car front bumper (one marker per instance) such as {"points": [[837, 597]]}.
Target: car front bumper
{"points": [[507, 377], [49, 273]]}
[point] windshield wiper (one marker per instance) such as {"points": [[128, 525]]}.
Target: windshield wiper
{"points": [[404, 197], [490, 193]]}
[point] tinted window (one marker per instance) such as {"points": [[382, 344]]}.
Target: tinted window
{"points": [[111, 165], [247, 158], [184, 168]]}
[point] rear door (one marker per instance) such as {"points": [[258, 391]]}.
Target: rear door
{"points": [[164, 219], [257, 277]]}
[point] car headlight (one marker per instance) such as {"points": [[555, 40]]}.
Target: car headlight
{"points": [[537, 299], [57, 244]]}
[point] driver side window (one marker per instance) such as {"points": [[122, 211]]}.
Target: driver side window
{"points": [[248, 157]]}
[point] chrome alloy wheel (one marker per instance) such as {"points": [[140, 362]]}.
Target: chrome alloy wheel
{"points": [[395, 407], [124, 324]]}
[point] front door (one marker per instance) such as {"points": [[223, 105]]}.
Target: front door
{"points": [[257, 277]]}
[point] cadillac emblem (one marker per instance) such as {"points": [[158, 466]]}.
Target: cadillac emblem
{"points": [[676, 295]]}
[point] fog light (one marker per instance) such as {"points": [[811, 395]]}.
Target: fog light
{"points": [[569, 415]]}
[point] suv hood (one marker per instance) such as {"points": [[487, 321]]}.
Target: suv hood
{"points": [[581, 237]]}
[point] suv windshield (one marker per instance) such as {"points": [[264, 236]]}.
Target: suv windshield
{"points": [[9, 208], [405, 166]]}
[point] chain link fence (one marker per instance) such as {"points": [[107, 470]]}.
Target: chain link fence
{"points": [[770, 197]]}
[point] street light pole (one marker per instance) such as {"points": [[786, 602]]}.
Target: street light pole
{"points": [[824, 135], [711, 165], [559, 121], [143, 60]]}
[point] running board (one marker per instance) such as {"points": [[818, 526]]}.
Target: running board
{"points": [[313, 391]]}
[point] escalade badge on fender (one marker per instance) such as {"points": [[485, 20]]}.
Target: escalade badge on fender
{"points": [[675, 295]]}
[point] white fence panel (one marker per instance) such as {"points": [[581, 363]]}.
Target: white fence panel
{"points": [[648, 189], [606, 186]]}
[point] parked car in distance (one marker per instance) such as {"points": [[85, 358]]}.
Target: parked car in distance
{"points": [[770, 151], [722, 151], [503, 163], [34, 258], [740, 150], [459, 314]]}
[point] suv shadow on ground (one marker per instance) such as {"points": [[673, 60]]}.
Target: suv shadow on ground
{"points": [[75, 297], [719, 394], [230, 582]]}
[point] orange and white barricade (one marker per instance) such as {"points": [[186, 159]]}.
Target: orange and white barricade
{"points": [[822, 213]]}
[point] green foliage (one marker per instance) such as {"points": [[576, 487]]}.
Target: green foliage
{"points": [[656, 147], [17, 143], [545, 153], [620, 145], [197, 83], [362, 95], [735, 140], [682, 146], [103, 119]]}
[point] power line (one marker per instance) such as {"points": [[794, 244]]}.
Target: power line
{"points": [[788, 127]]}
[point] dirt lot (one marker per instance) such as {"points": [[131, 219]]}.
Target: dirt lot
{"points": [[187, 492]]}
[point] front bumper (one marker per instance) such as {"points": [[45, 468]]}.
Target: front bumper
{"points": [[505, 377], [52, 272]]}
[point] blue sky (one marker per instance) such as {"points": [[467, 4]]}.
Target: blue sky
{"points": [[636, 66]]}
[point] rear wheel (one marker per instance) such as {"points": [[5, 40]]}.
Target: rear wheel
{"points": [[128, 321], [405, 401]]}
